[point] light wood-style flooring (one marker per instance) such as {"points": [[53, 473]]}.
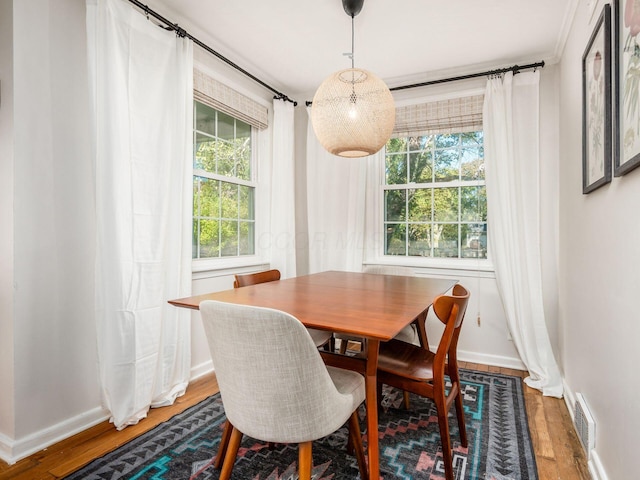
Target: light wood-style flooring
{"points": [[559, 454]]}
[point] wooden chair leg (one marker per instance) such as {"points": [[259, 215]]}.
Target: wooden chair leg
{"points": [[405, 399], [224, 443], [445, 438], [355, 437], [232, 452], [462, 427], [305, 460], [343, 346], [454, 375]]}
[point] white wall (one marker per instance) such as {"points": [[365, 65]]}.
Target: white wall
{"points": [[484, 338], [599, 279], [549, 198], [7, 378], [54, 369]]}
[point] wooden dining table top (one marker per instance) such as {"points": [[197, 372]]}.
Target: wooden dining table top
{"points": [[365, 304]]}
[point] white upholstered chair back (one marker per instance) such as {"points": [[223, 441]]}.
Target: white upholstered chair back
{"points": [[273, 382]]}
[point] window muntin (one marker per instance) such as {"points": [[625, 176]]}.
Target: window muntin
{"points": [[223, 186], [435, 202]]}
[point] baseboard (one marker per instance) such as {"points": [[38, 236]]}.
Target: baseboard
{"points": [[6, 445], [488, 359], [200, 370], [12, 451], [595, 467], [569, 399]]}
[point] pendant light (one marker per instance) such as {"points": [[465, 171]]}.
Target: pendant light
{"points": [[353, 113]]}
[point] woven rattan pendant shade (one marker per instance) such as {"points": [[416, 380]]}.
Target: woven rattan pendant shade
{"points": [[353, 113]]}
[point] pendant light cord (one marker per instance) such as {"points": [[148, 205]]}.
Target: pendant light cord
{"points": [[353, 36], [353, 97]]}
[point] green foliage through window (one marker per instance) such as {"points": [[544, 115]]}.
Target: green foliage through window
{"points": [[435, 200], [223, 189]]}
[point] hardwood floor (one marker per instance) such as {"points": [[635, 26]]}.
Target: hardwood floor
{"points": [[558, 451]]}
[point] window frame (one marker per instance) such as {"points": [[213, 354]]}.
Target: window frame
{"points": [[200, 266], [375, 244], [431, 150]]}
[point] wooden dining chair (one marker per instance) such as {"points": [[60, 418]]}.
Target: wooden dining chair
{"points": [[320, 337], [281, 394], [255, 278], [416, 369]]}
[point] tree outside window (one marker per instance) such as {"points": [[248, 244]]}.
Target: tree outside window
{"points": [[223, 187], [435, 202]]}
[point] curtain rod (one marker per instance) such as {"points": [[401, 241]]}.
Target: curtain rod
{"points": [[515, 69], [181, 32]]}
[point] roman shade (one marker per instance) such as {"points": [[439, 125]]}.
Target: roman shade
{"points": [[217, 95], [455, 115]]}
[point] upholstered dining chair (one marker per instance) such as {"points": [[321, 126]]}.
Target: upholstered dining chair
{"points": [[407, 334], [320, 337], [418, 370], [274, 384]]}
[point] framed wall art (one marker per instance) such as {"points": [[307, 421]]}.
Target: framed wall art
{"points": [[597, 106], [626, 69]]}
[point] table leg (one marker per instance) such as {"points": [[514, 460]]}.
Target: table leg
{"points": [[371, 384]]}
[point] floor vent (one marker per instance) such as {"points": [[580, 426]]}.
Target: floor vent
{"points": [[585, 425]]}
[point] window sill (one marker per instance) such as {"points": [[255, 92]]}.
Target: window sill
{"points": [[220, 267], [440, 267]]}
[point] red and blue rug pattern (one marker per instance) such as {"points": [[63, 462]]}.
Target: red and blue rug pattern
{"points": [[499, 443]]}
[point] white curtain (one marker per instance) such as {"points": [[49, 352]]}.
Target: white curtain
{"points": [[141, 84], [283, 223], [336, 189], [512, 162]]}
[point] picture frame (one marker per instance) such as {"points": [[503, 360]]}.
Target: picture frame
{"points": [[627, 87], [597, 133]]}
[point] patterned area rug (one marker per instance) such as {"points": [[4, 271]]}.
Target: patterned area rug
{"points": [[499, 443]]}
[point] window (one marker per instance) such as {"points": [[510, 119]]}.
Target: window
{"points": [[435, 202], [223, 185]]}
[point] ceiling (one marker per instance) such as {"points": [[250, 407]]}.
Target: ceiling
{"points": [[292, 45]]}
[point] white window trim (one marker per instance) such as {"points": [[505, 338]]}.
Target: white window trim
{"points": [[204, 268], [472, 267]]}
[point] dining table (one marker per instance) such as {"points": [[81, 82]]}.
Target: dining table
{"points": [[371, 306]]}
